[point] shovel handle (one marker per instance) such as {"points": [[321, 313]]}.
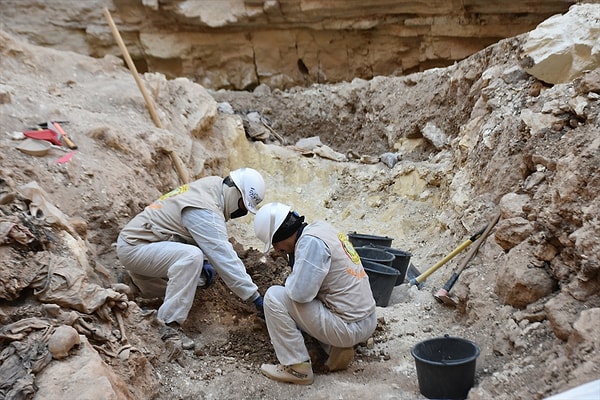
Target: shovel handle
{"points": [[133, 69], [478, 234], [451, 281], [436, 266], [179, 166], [443, 261], [488, 228]]}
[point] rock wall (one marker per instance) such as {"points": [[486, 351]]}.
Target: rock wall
{"points": [[240, 44]]}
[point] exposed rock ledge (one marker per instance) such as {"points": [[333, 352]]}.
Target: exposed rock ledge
{"points": [[239, 44]]}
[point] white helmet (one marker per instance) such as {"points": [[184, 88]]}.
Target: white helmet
{"points": [[267, 220], [252, 186]]}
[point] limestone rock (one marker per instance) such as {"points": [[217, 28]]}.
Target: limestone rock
{"points": [[537, 122], [512, 204], [521, 282], [585, 331], [435, 135], [562, 311], [576, 50], [512, 231], [81, 376]]}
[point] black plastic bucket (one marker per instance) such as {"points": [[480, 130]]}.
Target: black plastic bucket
{"points": [[374, 254], [382, 279], [401, 261], [445, 367], [360, 240]]}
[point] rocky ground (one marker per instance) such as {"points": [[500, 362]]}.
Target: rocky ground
{"points": [[425, 159]]}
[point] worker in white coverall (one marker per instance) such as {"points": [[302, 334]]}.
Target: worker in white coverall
{"points": [[175, 244], [327, 295]]}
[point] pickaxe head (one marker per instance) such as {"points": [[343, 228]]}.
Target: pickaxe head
{"points": [[443, 296]]}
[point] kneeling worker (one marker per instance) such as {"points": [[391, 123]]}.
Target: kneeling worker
{"points": [[327, 295], [164, 248]]}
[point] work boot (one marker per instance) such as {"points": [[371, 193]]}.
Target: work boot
{"points": [[168, 331], [300, 374], [174, 330], [339, 358]]}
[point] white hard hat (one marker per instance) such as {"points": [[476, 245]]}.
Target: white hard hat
{"points": [[252, 186], [267, 220]]}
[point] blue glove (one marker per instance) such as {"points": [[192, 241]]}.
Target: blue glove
{"points": [[209, 274], [260, 309]]}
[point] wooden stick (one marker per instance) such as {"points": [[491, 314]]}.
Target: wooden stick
{"points": [[149, 103], [131, 65], [273, 132]]}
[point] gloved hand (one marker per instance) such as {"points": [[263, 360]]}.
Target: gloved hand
{"points": [[260, 309], [209, 274]]}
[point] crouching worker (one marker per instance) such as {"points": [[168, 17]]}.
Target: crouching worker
{"points": [[327, 295], [178, 243]]}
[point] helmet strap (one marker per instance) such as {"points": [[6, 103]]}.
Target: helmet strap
{"points": [[228, 181], [240, 212], [291, 257]]}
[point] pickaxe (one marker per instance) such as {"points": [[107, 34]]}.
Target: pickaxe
{"points": [[419, 279], [443, 295]]}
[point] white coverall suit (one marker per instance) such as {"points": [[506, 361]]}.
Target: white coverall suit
{"points": [[327, 295], [163, 248]]}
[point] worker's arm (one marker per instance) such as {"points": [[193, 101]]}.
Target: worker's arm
{"points": [[311, 265], [210, 234]]}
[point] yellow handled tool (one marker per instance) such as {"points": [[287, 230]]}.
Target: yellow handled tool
{"points": [[443, 295], [431, 270]]}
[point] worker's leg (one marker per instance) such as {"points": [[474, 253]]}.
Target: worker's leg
{"points": [[287, 339], [183, 275], [149, 287], [286, 319], [180, 263], [337, 341], [332, 330], [150, 279]]}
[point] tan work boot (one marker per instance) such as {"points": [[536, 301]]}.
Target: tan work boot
{"points": [[300, 373], [339, 358]]}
